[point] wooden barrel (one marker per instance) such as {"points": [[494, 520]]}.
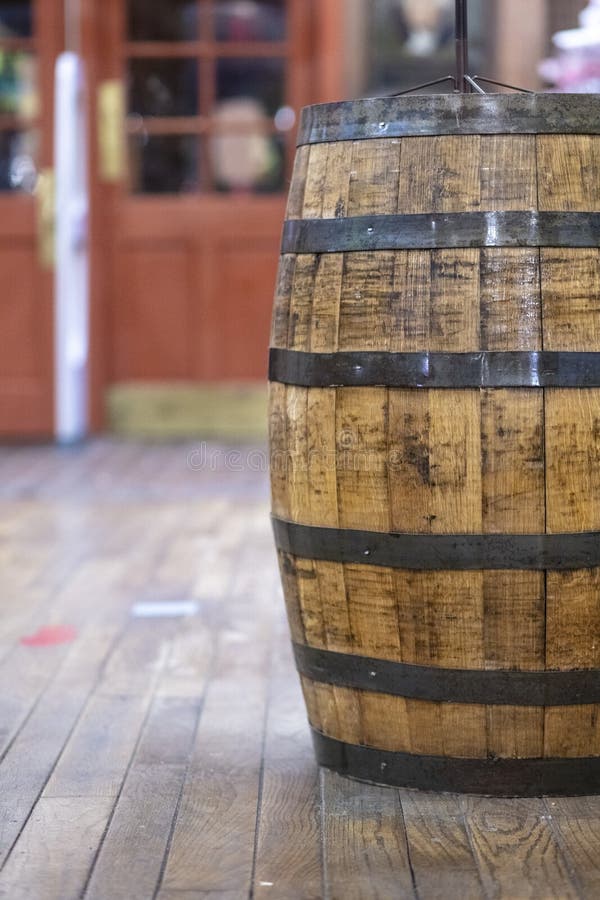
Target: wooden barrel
{"points": [[435, 439]]}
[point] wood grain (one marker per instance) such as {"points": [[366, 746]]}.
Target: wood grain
{"points": [[568, 167], [575, 822], [288, 852], [512, 839], [440, 851], [570, 287], [219, 800], [56, 848], [47, 729], [130, 858], [295, 203], [366, 825]]}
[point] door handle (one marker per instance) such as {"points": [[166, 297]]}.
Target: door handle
{"points": [[45, 192], [112, 162]]}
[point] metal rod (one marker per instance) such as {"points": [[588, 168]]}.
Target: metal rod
{"points": [[427, 84], [511, 87], [462, 47], [474, 84]]}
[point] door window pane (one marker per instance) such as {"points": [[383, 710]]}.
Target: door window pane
{"points": [[243, 20], [164, 164], [249, 162], [162, 20], [163, 87], [18, 88], [18, 154], [16, 18], [260, 80]]}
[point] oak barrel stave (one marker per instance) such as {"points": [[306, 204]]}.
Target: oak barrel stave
{"points": [[442, 461]]}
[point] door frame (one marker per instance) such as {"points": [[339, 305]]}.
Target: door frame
{"points": [[97, 24], [100, 26], [28, 408]]}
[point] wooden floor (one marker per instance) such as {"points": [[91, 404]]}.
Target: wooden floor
{"points": [[169, 757]]}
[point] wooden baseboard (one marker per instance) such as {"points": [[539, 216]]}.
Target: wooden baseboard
{"points": [[159, 410]]}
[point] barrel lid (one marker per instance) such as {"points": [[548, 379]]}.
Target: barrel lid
{"points": [[445, 114]]}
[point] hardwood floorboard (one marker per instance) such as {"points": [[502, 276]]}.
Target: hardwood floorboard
{"points": [[202, 895], [23, 678], [131, 857], [213, 842], [516, 850], [96, 756], [576, 822], [56, 849], [129, 863], [28, 670], [365, 849], [288, 862], [167, 757], [441, 857], [212, 845], [44, 735]]}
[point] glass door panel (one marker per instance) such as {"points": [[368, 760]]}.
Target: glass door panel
{"points": [[207, 88], [162, 20], [19, 98], [261, 81], [16, 19], [163, 87], [164, 164], [18, 157], [242, 20], [18, 83], [253, 162]]}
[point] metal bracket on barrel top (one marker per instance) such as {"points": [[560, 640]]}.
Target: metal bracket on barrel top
{"points": [[462, 81]]}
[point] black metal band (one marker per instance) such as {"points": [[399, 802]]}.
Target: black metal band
{"points": [[492, 777], [484, 369], [430, 231], [390, 117], [493, 688], [440, 551]]}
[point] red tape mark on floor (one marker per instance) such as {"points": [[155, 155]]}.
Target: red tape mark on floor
{"points": [[49, 635]]}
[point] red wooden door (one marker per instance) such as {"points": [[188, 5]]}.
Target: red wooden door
{"points": [[185, 237], [30, 37]]}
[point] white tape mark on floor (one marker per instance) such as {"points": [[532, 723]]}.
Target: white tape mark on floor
{"points": [[164, 610]]}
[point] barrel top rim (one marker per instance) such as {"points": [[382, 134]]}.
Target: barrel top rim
{"points": [[453, 99], [431, 114]]}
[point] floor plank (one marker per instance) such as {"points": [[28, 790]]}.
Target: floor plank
{"points": [[202, 895], [441, 857], [516, 850], [288, 864], [56, 849], [213, 841], [129, 863], [365, 850], [44, 735], [26, 672], [576, 821], [96, 756]]}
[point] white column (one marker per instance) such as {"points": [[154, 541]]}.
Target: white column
{"points": [[71, 274]]}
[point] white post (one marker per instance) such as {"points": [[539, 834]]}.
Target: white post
{"points": [[72, 270]]}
